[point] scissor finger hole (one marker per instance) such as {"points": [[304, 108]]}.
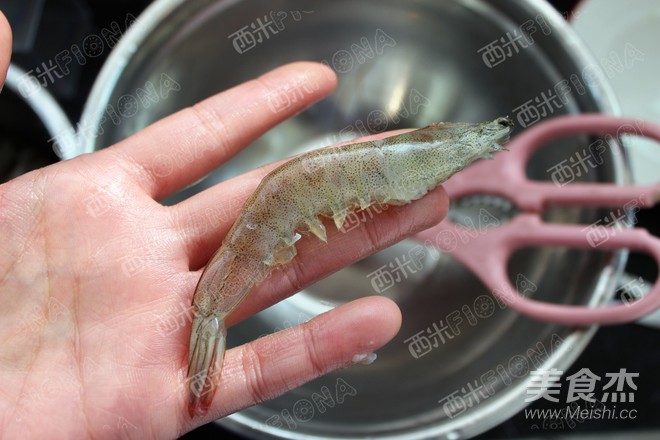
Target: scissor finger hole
{"points": [[583, 158], [480, 212]]}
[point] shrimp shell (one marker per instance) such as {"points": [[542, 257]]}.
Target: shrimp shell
{"points": [[329, 183]]}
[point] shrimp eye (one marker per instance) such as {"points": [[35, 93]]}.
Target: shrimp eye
{"points": [[505, 122]]}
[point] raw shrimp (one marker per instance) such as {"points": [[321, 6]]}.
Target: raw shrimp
{"points": [[328, 183]]}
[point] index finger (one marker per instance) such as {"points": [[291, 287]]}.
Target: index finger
{"points": [[182, 148]]}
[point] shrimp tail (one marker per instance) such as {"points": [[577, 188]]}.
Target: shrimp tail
{"points": [[227, 279], [207, 342]]}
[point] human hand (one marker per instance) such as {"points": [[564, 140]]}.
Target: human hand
{"points": [[92, 266]]}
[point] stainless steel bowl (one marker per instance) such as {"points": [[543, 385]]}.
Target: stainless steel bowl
{"points": [[419, 61], [31, 120]]}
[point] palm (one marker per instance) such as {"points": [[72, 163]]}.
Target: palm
{"points": [[96, 279], [84, 336]]}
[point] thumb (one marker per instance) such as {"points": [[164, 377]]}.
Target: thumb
{"points": [[5, 47]]}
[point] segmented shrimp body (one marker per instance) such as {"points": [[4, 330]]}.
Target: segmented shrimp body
{"points": [[323, 183]]}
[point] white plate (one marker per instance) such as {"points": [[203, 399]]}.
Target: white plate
{"points": [[624, 38]]}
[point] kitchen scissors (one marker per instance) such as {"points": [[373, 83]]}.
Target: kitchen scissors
{"points": [[488, 254]]}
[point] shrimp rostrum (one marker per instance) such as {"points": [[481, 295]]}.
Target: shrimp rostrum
{"points": [[293, 198]]}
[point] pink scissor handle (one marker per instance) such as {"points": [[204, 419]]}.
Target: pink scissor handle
{"points": [[506, 176], [488, 255]]}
